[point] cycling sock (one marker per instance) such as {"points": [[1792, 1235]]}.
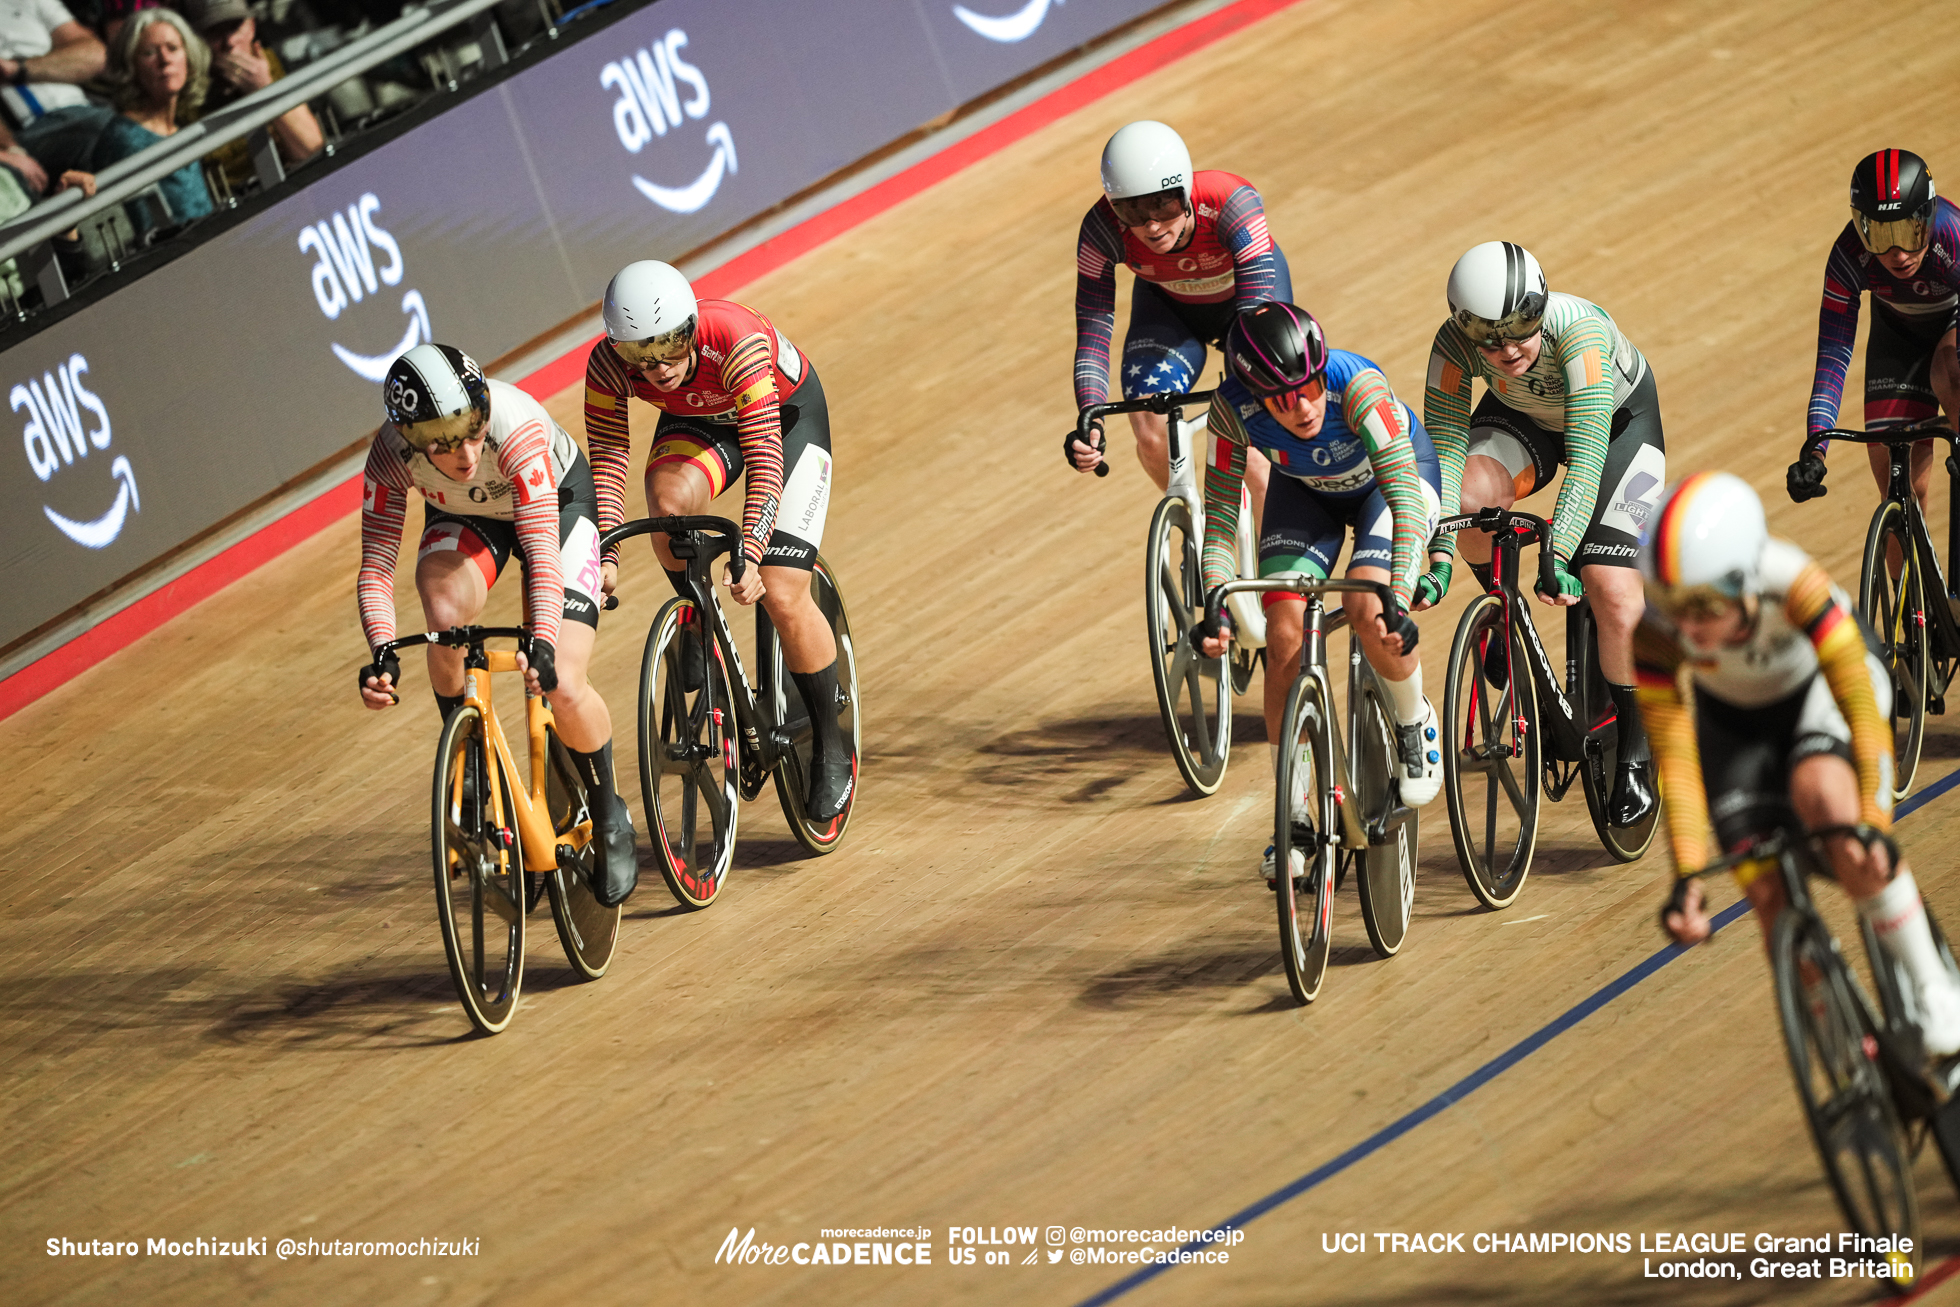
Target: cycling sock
{"points": [[819, 690], [448, 703], [1483, 574], [1299, 772], [1633, 740], [1898, 918], [597, 769], [1406, 697]]}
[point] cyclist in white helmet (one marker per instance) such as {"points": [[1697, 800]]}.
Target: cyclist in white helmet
{"points": [[1790, 725], [1563, 385]]}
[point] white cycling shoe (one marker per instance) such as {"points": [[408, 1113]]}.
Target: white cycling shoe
{"points": [[1268, 869], [1421, 746], [1939, 1019]]}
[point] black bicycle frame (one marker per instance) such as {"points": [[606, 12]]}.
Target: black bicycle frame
{"points": [[698, 541], [1566, 737]]}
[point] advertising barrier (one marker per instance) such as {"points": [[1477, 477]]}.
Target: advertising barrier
{"points": [[159, 411]]}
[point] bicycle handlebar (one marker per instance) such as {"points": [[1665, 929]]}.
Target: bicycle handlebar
{"points": [[1510, 519], [729, 543], [1163, 404], [1932, 428], [1777, 842], [1300, 585], [458, 637]]}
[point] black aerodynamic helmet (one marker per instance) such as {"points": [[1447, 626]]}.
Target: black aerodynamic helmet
{"points": [[1274, 348], [1892, 201], [436, 395]]}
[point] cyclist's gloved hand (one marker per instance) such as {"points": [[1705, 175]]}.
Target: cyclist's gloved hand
{"points": [[543, 659], [1206, 629], [1074, 437], [1678, 903], [1432, 585], [1396, 618], [1568, 585], [1806, 478], [388, 666]]}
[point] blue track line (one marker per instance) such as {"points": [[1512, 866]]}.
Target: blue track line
{"points": [[1476, 1080]]}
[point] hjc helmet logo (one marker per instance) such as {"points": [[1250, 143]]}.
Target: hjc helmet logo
{"points": [[649, 102]]}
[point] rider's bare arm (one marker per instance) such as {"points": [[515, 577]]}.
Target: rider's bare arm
{"points": [[1657, 661]]}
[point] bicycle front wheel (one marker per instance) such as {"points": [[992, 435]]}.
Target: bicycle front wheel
{"points": [[793, 774], [479, 872], [1602, 758], [1193, 693], [587, 928], [1829, 1035], [1388, 871], [1305, 892], [1894, 606], [1492, 754], [689, 780]]}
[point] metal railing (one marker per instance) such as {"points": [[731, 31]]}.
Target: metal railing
{"points": [[253, 113]]}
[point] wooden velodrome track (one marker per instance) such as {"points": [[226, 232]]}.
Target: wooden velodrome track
{"points": [[1039, 986]]}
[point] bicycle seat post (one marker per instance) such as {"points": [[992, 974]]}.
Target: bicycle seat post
{"points": [[1313, 642]]}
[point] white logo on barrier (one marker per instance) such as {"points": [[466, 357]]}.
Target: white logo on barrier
{"points": [[55, 404], [1017, 26], [345, 272], [650, 102]]}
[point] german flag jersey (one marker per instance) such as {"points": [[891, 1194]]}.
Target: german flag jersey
{"points": [[745, 370]]}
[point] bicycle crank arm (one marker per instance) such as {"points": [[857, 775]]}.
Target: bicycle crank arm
{"points": [[1394, 821]]}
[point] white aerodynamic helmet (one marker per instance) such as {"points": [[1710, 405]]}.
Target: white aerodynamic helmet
{"points": [[1497, 293], [650, 313], [1703, 544], [1146, 173]]}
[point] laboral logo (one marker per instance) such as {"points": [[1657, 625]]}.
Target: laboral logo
{"points": [[1017, 26], [57, 436], [649, 89], [345, 271]]}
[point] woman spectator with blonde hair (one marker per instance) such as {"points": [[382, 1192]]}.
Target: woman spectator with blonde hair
{"points": [[159, 72]]}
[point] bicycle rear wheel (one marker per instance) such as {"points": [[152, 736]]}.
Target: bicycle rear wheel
{"points": [[689, 780], [1832, 1044], [1602, 756], [479, 872], [1895, 609], [1492, 754], [588, 930], [793, 773], [1388, 871], [1193, 693], [1305, 900]]}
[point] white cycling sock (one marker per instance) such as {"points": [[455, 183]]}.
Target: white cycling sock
{"points": [[1406, 696], [1898, 918], [1299, 772]]}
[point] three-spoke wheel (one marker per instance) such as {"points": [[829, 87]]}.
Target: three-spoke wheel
{"points": [[1193, 693], [1304, 852], [1892, 600], [479, 873], [1828, 1032], [1492, 755], [793, 774], [588, 930], [689, 779], [1387, 878]]}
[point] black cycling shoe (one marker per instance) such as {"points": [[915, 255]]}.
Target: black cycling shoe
{"points": [[616, 870], [1633, 795], [831, 784]]}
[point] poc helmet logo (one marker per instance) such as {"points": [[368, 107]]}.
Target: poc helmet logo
{"points": [[54, 406], [345, 271], [649, 102], [1176, 179]]}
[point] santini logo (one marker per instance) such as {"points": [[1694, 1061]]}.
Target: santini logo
{"points": [[345, 272], [54, 406], [650, 102], [1017, 26]]}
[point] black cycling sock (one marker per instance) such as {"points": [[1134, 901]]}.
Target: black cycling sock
{"points": [[1483, 574], [448, 703], [597, 769], [1633, 740], [819, 690]]}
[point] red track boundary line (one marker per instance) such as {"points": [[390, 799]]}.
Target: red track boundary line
{"points": [[124, 628]]}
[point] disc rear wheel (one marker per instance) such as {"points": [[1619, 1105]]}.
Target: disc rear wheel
{"points": [[793, 774], [1600, 767]]}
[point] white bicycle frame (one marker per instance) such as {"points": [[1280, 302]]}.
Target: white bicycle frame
{"points": [[1248, 617]]}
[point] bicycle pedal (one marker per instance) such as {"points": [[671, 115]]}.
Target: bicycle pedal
{"points": [[1936, 704]]}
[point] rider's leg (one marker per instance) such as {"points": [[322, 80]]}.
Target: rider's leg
{"points": [[1153, 446], [1285, 630], [1824, 791], [1487, 483], [683, 475], [1618, 600], [1421, 775], [1161, 353], [453, 572]]}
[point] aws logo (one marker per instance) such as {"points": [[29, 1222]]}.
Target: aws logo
{"points": [[649, 88], [56, 436], [346, 271], [1017, 26]]}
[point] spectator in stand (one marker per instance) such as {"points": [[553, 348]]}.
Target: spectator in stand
{"points": [[159, 70], [44, 55], [114, 13], [240, 66]]}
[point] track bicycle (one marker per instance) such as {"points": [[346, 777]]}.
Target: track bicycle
{"points": [[1512, 724], [1192, 690], [1861, 1072], [1919, 641], [1357, 821], [499, 845], [709, 741]]}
